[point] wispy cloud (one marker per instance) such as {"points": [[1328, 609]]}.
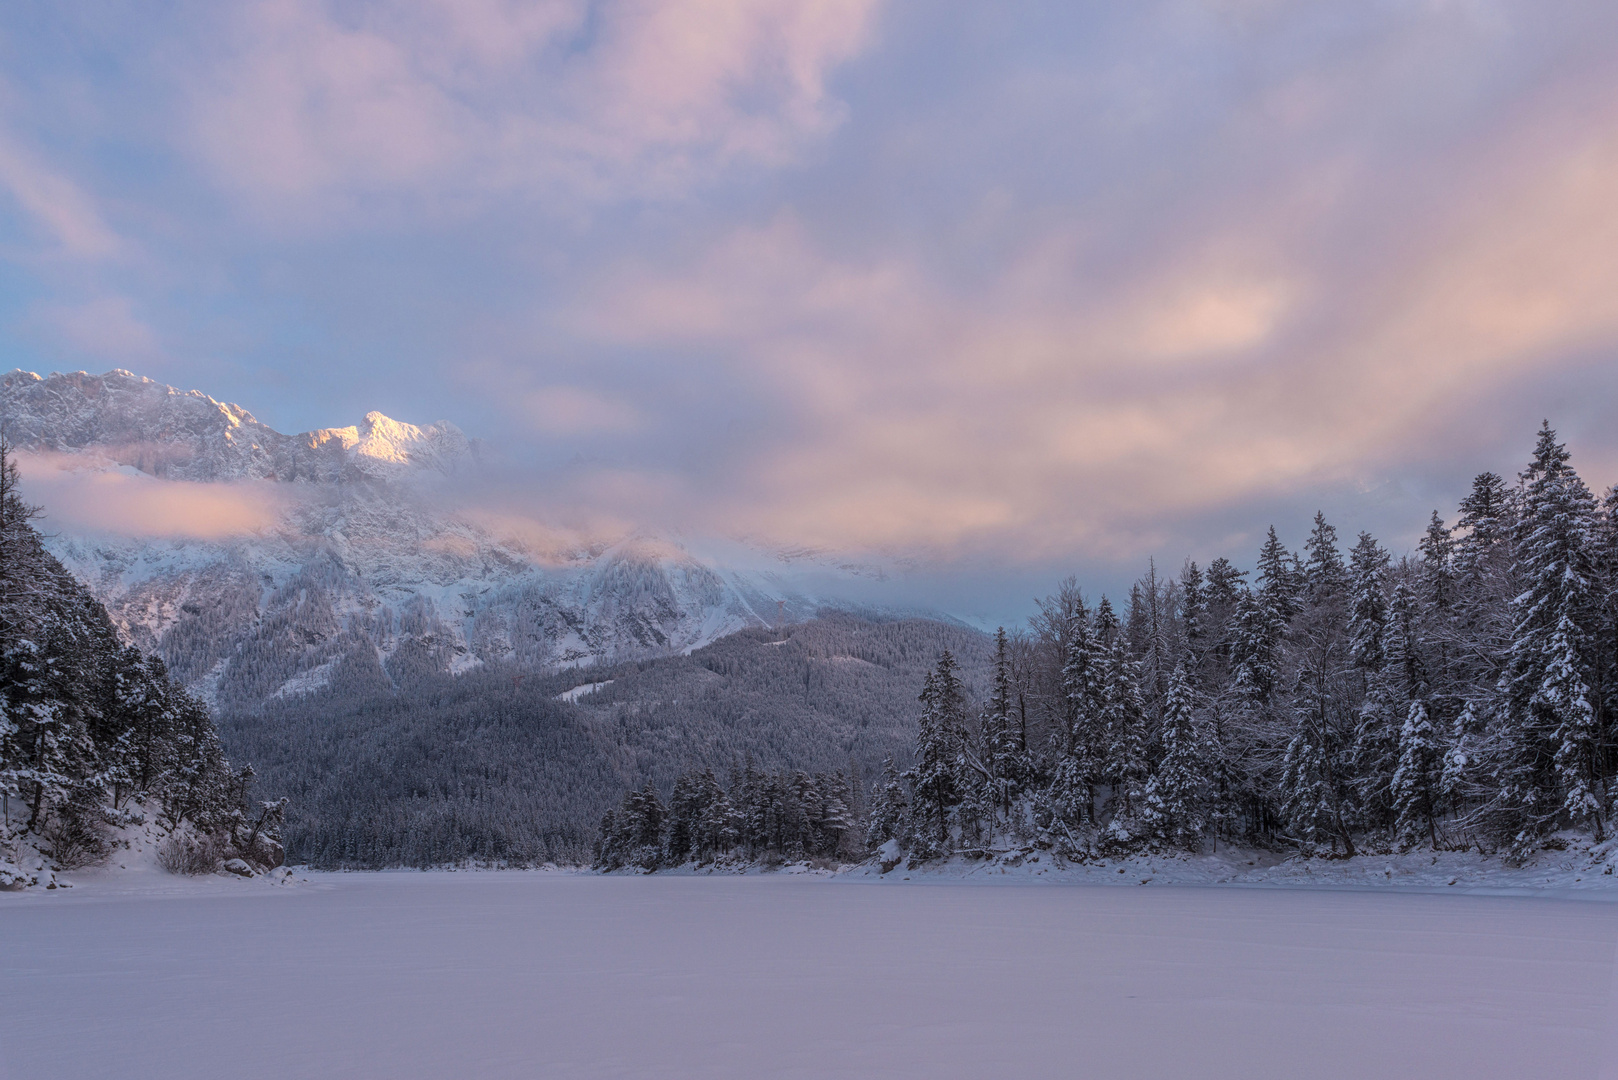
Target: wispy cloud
{"points": [[58, 206], [125, 503], [436, 101]]}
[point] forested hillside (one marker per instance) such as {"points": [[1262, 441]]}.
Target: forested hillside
{"points": [[396, 763], [1333, 701], [93, 734]]}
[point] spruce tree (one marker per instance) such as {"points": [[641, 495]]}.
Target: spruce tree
{"points": [[1311, 799], [1551, 754], [1255, 643], [1126, 727], [1194, 611], [1325, 576], [1080, 740], [1280, 579], [1458, 781], [1175, 796], [835, 820], [998, 746], [890, 809], [716, 827], [1437, 562], [940, 746], [1486, 523], [1415, 781], [1368, 605]]}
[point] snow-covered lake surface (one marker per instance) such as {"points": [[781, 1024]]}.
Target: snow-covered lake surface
{"points": [[515, 974]]}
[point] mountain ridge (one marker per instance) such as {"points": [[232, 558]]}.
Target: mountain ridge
{"points": [[360, 554], [187, 435]]}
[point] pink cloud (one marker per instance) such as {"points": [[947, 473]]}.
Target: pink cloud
{"points": [[55, 201], [436, 99], [1055, 410], [80, 495]]}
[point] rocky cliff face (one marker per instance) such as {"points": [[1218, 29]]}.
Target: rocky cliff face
{"points": [[363, 576]]}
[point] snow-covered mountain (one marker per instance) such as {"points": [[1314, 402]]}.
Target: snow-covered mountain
{"points": [[360, 562]]}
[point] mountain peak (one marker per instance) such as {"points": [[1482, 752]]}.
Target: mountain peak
{"points": [[187, 435], [384, 448]]}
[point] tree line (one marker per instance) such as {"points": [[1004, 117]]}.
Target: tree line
{"points": [[762, 817], [1464, 694]]}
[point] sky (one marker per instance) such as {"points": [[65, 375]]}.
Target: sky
{"points": [[999, 292]]}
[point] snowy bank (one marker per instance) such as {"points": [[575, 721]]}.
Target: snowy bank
{"points": [[135, 854], [1573, 863]]}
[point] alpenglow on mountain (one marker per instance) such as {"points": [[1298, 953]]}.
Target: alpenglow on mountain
{"points": [[355, 553]]}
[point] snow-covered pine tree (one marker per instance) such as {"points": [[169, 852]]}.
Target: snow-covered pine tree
{"points": [[1486, 521], [1324, 575], [1280, 579], [686, 805], [1255, 643], [1174, 801], [999, 748], [835, 821], [1226, 584], [1603, 650], [1550, 744], [803, 808], [1564, 695], [23, 568], [1416, 780], [47, 756], [1440, 614], [890, 809], [1438, 563], [1107, 624], [1368, 605], [940, 745], [1156, 639], [1406, 652], [1310, 788], [755, 812], [1128, 737], [1459, 782], [1079, 742], [716, 828], [646, 818], [1194, 611]]}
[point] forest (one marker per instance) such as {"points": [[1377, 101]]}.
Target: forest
{"points": [[94, 735], [396, 763], [1330, 701]]}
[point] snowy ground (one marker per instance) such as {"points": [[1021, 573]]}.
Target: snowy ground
{"points": [[1575, 866], [524, 974]]}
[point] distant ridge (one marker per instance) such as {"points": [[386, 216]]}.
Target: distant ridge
{"points": [[362, 564]]}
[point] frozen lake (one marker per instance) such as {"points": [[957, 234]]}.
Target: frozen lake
{"points": [[523, 975]]}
